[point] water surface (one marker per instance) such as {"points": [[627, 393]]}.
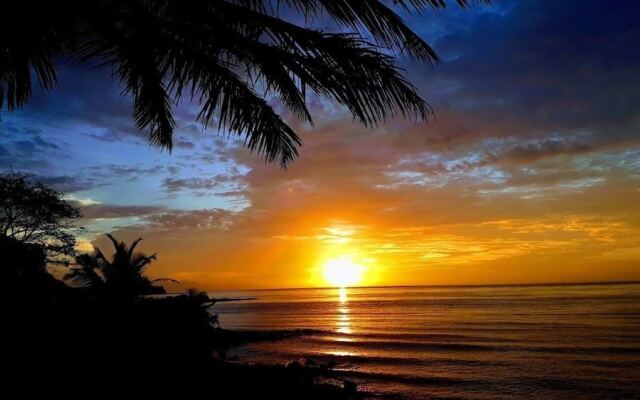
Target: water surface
{"points": [[517, 342]]}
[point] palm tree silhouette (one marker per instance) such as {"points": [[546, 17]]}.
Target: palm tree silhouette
{"points": [[86, 272], [121, 277], [229, 56]]}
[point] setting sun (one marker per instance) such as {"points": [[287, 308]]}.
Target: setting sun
{"points": [[342, 271]]}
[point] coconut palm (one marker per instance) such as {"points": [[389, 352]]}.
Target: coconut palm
{"points": [[86, 272], [122, 276], [229, 56]]}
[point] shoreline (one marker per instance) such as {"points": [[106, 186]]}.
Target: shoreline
{"points": [[313, 377]]}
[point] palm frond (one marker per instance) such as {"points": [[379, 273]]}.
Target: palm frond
{"points": [[85, 272], [342, 67], [132, 247], [374, 17], [100, 256], [230, 56], [165, 280], [140, 261], [113, 240]]}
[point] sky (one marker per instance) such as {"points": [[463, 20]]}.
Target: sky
{"points": [[529, 173]]}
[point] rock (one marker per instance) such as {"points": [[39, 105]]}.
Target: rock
{"points": [[350, 386], [307, 362], [293, 365]]}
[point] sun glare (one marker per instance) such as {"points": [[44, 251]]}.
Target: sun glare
{"points": [[342, 272]]}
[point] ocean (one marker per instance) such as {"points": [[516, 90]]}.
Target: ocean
{"points": [[492, 342]]}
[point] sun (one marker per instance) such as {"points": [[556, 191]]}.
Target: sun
{"points": [[342, 272]]}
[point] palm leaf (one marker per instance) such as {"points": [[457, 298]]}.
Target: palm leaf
{"points": [[230, 56], [132, 247]]}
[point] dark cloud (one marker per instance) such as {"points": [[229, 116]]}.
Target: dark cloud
{"points": [[508, 155], [532, 69], [109, 136], [89, 97], [93, 211], [179, 184], [25, 147], [66, 183], [110, 173], [535, 149], [231, 180], [184, 144], [191, 219]]}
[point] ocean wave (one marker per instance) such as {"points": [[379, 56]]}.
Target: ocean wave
{"points": [[475, 347], [356, 359], [397, 344]]}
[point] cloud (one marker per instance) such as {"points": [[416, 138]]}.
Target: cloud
{"points": [[24, 147], [128, 171], [532, 150], [565, 200], [98, 211], [178, 184], [184, 144], [229, 183], [559, 68], [66, 183], [194, 219]]}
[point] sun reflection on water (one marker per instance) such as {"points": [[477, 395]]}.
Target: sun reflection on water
{"points": [[342, 295], [340, 353], [343, 320]]}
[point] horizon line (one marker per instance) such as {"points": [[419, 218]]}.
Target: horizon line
{"points": [[584, 283]]}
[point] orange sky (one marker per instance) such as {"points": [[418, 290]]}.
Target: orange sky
{"points": [[349, 195]]}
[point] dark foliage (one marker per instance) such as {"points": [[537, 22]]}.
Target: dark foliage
{"points": [[120, 277], [24, 274], [34, 213], [102, 337], [229, 56], [75, 342]]}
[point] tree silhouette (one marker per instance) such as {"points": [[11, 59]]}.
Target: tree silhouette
{"points": [[121, 277], [32, 213], [229, 56]]}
